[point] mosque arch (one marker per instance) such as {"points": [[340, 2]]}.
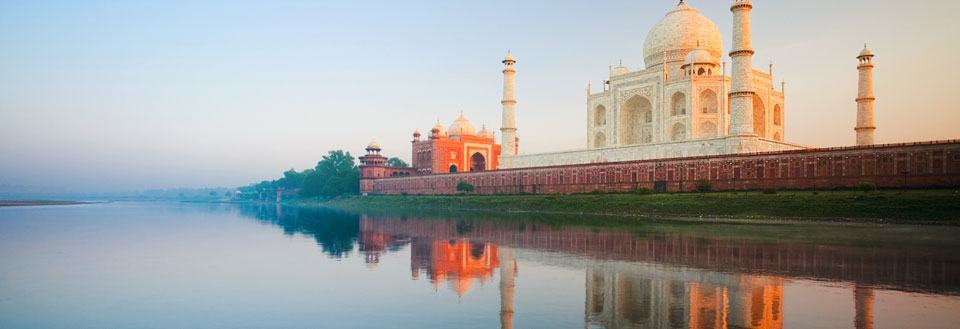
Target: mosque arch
{"points": [[478, 162], [759, 117], [777, 116], [600, 116], [708, 129], [708, 101], [679, 104], [678, 132], [453, 168], [701, 71], [634, 113], [599, 140]]}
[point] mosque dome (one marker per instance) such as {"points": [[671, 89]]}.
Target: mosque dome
{"points": [[699, 56], [680, 32], [865, 52], [462, 127]]}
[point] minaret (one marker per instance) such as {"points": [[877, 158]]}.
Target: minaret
{"points": [[741, 88], [865, 126], [508, 129]]}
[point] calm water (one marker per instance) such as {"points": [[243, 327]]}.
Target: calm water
{"points": [[129, 265]]}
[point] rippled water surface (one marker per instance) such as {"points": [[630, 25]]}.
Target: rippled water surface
{"points": [[167, 265]]}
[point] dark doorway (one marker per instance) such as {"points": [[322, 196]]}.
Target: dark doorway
{"points": [[478, 162], [453, 168], [660, 186]]}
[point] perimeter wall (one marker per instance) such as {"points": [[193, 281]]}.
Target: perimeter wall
{"points": [[914, 165]]}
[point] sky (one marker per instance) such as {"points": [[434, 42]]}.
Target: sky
{"points": [[108, 96]]}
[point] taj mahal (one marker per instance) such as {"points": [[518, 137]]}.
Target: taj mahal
{"points": [[681, 103], [677, 120]]}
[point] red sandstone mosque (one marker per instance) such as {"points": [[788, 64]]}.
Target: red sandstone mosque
{"points": [[678, 120]]}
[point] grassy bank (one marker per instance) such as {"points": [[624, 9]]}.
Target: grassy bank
{"points": [[903, 206]]}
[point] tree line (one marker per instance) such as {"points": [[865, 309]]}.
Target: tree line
{"points": [[336, 174]]}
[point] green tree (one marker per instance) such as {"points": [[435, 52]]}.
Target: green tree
{"points": [[397, 163], [335, 175]]}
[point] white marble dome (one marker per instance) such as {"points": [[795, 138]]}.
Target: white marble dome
{"points": [[681, 31], [462, 127]]}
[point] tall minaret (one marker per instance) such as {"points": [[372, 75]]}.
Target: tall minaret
{"points": [[865, 99], [508, 129], [741, 88]]}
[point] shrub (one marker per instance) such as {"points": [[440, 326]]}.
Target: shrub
{"points": [[703, 186], [464, 187], [866, 187], [643, 190]]}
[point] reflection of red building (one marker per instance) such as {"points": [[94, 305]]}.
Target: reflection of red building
{"points": [[458, 262]]}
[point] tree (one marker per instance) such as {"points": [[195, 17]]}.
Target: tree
{"points": [[464, 187], [335, 175], [397, 163]]}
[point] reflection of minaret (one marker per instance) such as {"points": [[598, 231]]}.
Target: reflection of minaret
{"points": [[863, 301], [508, 273]]}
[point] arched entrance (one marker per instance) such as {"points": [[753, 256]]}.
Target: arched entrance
{"points": [[635, 116], [478, 162], [453, 168]]}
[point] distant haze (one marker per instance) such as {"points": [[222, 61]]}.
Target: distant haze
{"points": [[126, 95]]}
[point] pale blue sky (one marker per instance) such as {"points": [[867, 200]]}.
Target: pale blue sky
{"points": [[123, 95]]}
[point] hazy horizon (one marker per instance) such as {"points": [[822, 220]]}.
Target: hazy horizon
{"points": [[117, 96]]}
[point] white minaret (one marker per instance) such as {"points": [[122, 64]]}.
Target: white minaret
{"points": [[508, 129], [741, 88], [865, 126]]}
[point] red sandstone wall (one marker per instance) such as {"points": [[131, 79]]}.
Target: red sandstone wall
{"points": [[933, 164]]}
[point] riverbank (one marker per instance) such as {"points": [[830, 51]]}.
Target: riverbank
{"points": [[26, 203], [884, 206]]}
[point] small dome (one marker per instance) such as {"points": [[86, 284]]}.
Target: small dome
{"points": [[438, 130], [865, 52], [373, 146], [416, 133], [699, 56], [619, 70], [484, 133], [682, 30], [462, 127]]}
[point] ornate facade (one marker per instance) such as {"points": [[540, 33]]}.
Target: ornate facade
{"points": [[462, 149]]}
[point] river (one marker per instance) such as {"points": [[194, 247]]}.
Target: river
{"points": [[179, 265]]}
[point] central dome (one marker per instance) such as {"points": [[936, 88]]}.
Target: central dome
{"points": [[462, 127], [680, 32]]}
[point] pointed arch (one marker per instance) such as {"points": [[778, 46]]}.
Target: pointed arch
{"points": [[599, 140], [478, 162], [679, 104], [759, 117], [634, 114], [708, 101], [777, 116], [600, 116], [678, 132]]}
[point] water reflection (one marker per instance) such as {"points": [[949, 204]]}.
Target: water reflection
{"points": [[651, 275]]}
